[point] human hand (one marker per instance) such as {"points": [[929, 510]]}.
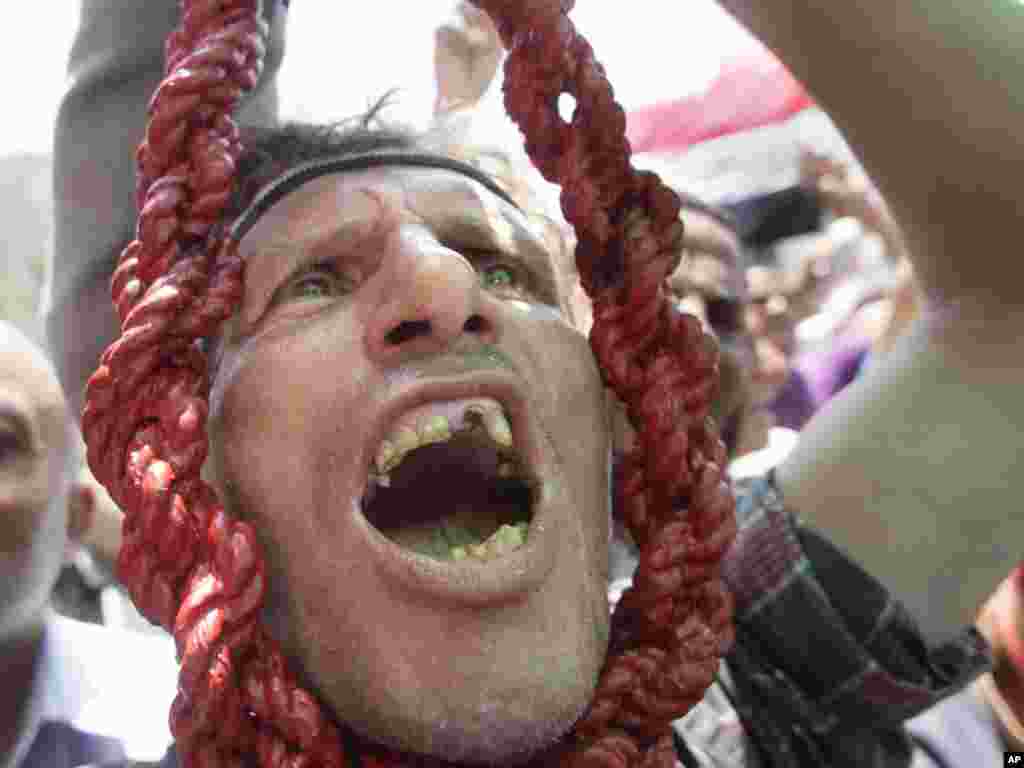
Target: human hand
{"points": [[843, 190], [849, 192], [467, 52]]}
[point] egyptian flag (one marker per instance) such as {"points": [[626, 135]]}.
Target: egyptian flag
{"points": [[737, 144]]}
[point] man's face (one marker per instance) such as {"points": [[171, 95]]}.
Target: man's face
{"points": [[385, 310], [709, 284], [769, 318], [34, 481]]}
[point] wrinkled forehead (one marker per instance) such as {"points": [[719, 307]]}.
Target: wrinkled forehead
{"points": [[425, 195], [406, 163]]}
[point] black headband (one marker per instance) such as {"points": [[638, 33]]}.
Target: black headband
{"points": [[299, 175]]}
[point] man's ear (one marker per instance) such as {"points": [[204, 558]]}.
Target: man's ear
{"points": [[81, 513], [623, 434]]}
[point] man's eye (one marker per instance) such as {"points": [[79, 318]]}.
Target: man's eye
{"points": [[312, 287], [316, 283], [499, 277]]}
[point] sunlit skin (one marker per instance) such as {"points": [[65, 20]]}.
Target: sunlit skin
{"points": [[41, 511], [34, 480], [466, 661]]}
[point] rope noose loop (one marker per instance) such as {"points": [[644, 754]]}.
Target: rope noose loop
{"points": [[200, 574]]}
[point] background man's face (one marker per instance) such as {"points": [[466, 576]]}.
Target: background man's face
{"points": [[709, 284], [770, 319], [377, 306], [34, 480]]}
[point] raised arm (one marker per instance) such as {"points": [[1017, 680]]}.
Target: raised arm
{"points": [[114, 66], [914, 468], [927, 93]]}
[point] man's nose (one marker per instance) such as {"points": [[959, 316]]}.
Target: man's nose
{"points": [[431, 297]]}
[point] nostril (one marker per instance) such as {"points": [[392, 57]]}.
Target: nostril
{"points": [[475, 324], [406, 330]]}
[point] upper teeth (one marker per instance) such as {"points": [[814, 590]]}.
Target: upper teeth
{"points": [[497, 427], [418, 428]]}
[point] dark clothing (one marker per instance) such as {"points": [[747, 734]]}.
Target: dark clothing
{"points": [[115, 64], [827, 665]]}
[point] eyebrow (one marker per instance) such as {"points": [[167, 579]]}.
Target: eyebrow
{"points": [[466, 229], [353, 231], [463, 229], [279, 257]]}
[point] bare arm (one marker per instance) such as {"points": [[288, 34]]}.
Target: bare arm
{"points": [[927, 92], [914, 468], [115, 64]]}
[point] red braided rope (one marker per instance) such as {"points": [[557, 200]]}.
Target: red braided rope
{"points": [[675, 621], [200, 574]]}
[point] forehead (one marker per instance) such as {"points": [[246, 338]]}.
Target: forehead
{"points": [[441, 199]]}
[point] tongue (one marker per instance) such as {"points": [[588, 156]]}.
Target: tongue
{"points": [[506, 539], [464, 533]]}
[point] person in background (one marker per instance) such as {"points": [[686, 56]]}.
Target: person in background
{"points": [[101, 112], [709, 283], [977, 725], [856, 309], [885, 298], [783, 288], [65, 682], [769, 318], [87, 588], [86, 581]]}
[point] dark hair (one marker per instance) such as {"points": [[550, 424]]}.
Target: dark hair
{"points": [[271, 151]]}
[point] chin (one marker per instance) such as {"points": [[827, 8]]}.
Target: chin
{"points": [[496, 738], [509, 683]]}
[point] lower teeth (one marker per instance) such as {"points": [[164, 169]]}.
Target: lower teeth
{"points": [[452, 541], [507, 539], [463, 534]]}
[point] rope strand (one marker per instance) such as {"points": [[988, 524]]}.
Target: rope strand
{"points": [[194, 570]]}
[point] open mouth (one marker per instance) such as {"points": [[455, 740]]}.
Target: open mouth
{"points": [[448, 483]]}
